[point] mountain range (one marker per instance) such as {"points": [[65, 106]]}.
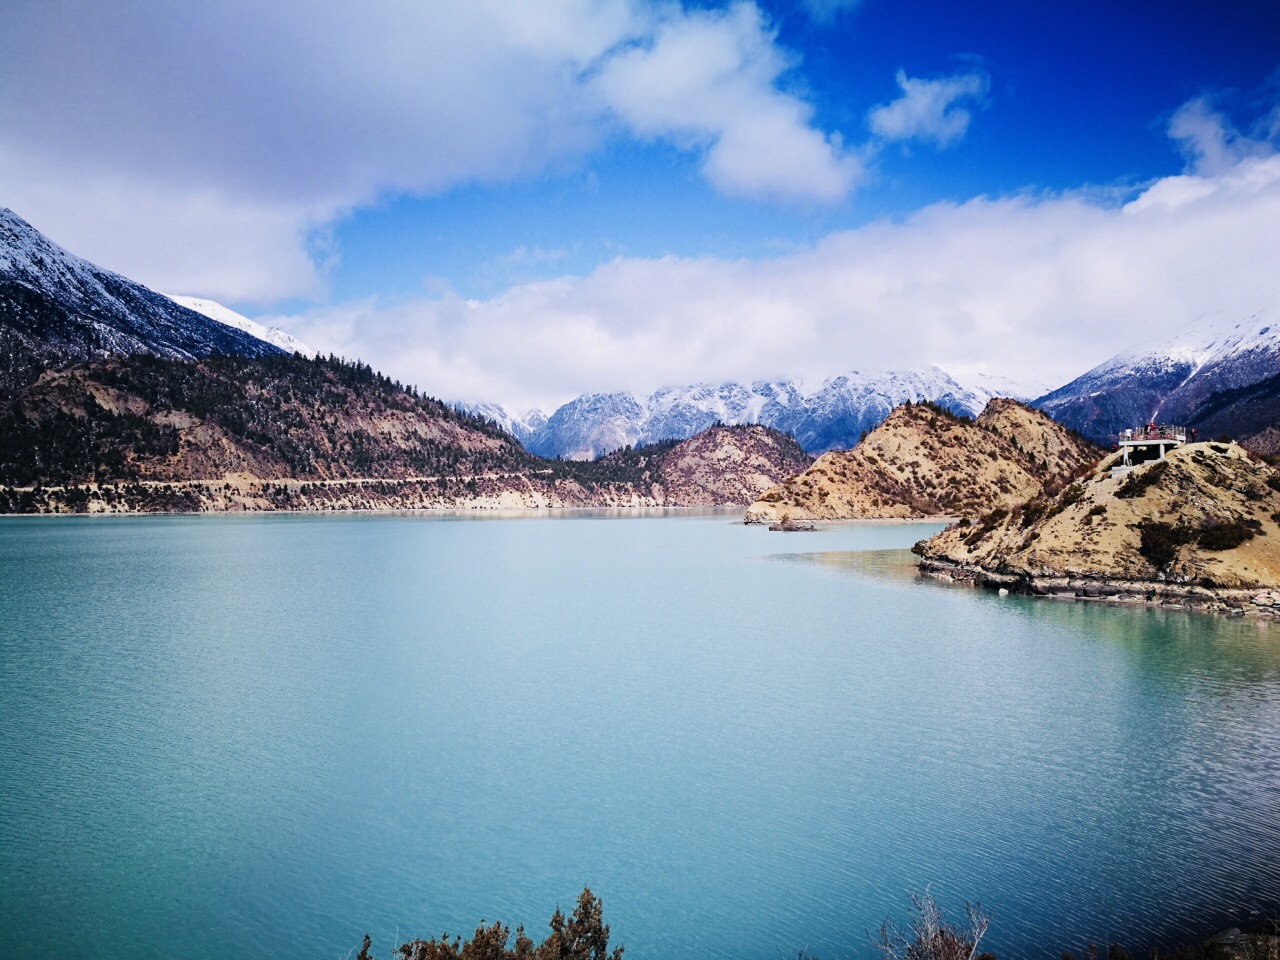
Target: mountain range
{"points": [[833, 416], [1221, 375], [119, 399]]}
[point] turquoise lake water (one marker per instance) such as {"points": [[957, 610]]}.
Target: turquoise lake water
{"points": [[265, 737]]}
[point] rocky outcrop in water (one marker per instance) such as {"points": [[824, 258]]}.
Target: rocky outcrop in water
{"points": [[1200, 528]]}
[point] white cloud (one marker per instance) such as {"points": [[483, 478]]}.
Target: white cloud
{"points": [[175, 127], [709, 78], [1211, 143], [177, 238], [929, 110], [1034, 288]]}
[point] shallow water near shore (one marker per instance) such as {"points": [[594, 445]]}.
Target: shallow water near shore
{"points": [[267, 736]]}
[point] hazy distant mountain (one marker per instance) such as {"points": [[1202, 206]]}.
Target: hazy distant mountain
{"points": [[225, 315], [1172, 379], [831, 417], [56, 308]]}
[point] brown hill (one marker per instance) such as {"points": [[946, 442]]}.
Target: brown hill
{"points": [[150, 418], [924, 461], [150, 434], [1205, 518], [729, 465]]}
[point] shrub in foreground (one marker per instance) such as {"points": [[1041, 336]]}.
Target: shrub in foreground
{"points": [[930, 936], [583, 936]]}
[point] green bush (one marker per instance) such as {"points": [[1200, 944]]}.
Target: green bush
{"points": [[583, 936], [1224, 536], [1159, 542], [1136, 483]]}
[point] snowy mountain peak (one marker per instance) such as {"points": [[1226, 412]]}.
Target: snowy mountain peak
{"points": [[832, 416], [1170, 378], [1211, 340], [58, 308], [521, 426], [27, 254], [228, 317]]}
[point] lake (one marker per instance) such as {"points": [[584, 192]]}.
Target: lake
{"points": [[267, 736]]}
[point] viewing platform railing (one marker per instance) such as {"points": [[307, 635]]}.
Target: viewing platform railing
{"points": [[1151, 432]]}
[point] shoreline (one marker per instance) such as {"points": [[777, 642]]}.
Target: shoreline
{"points": [[462, 513], [821, 522], [1262, 603]]}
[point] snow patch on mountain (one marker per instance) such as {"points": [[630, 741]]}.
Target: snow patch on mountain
{"points": [[992, 385], [228, 317], [1209, 342]]}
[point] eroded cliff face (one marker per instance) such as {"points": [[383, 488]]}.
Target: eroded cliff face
{"points": [[1204, 518], [926, 462]]}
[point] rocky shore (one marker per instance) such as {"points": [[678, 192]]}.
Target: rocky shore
{"points": [[1199, 530], [1263, 604]]}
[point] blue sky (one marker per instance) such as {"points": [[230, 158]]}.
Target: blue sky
{"points": [[1080, 94], [521, 202]]}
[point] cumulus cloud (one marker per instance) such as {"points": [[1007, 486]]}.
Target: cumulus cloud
{"points": [[1030, 287], [140, 128], [709, 78], [936, 111]]}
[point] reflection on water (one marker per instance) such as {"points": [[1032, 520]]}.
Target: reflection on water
{"points": [[267, 736], [1183, 645]]}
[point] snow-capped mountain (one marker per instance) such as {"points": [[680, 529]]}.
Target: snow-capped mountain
{"points": [[56, 307], [1172, 379], [225, 315], [836, 414], [992, 385], [831, 417], [522, 427], [585, 428]]}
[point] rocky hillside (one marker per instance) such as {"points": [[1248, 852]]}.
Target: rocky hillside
{"points": [[145, 433], [728, 466], [147, 418], [56, 308], [1205, 518], [925, 462]]}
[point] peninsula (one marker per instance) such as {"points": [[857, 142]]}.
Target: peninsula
{"points": [[1198, 525]]}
